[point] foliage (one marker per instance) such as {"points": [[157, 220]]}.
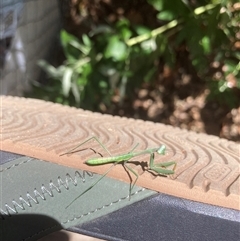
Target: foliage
{"points": [[116, 58]]}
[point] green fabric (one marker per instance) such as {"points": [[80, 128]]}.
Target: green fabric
{"points": [[35, 193]]}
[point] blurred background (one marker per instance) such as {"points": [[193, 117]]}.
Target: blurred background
{"points": [[173, 62]]}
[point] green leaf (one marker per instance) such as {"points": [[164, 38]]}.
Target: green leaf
{"points": [[166, 16], [222, 85], [75, 92], [149, 45], [86, 40], [66, 38], [123, 28], [231, 66], [116, 49], [71, 46], [206, 43], [126, 33], [150, 74], [161, 42], [66, 81], [51, 70], [101, 29], [142, 30], [157, 4], [103, 84]]}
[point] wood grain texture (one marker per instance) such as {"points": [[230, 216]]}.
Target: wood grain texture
{"points": [[208, 167]]}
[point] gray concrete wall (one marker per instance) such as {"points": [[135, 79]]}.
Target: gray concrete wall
{"points": [[34, 26]]}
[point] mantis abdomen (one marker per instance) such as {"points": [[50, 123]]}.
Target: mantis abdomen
{"points": [[105, 160]]}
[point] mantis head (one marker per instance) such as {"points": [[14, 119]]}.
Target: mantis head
{"points": [[161, 150]]}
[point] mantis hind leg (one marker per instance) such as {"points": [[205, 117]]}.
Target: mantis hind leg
{"points": [[133, 148], [89, 139], [135, 174], [89, 188]]}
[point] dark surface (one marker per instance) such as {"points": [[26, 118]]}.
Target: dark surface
{"points": [[7, 157], [165, 217]]}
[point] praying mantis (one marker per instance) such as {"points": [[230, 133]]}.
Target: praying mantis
{"points": [[157, 169]]}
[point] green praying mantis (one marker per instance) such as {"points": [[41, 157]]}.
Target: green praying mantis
{"points": [[157, 169]]}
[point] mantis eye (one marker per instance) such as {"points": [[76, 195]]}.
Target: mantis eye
{"points": [[161, 150]]}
